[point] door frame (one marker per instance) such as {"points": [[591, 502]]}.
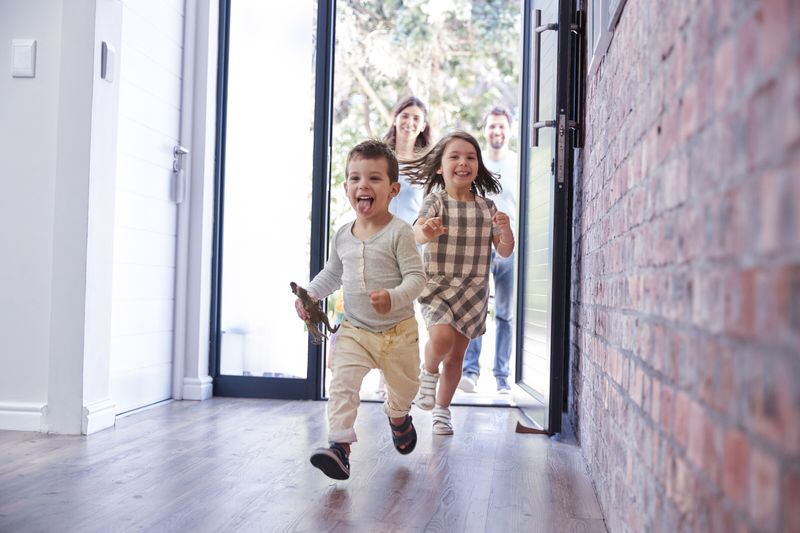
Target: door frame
{"points": [[310, 388], [567, 79], [569, 48]]}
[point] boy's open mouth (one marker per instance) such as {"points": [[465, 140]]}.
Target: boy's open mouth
{"points": [[363, 203]]}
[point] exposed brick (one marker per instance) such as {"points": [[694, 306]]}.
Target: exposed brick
{"points": [[682, 413], [735, 476], [687, 277], [777, 32], [655, 402], [697, 421], [740, 303], [791, 495], [764, 489], [724, 74], [747, 40], [667, 409]]}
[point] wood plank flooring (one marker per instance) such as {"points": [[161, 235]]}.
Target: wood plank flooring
{"points": [[242, 465]]}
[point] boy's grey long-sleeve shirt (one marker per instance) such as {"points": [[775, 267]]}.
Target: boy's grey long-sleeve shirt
{"points": [[387, 260]]}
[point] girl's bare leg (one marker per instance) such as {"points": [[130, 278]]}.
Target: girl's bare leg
{"points": [[451, 370], [440, 342], [445, 347]]}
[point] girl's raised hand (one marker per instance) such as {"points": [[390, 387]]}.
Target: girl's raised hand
{"points": [[433, 227], [501, 221], [381, 301]]}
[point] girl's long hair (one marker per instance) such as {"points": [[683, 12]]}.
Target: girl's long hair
{"points": [[423, 139], [424, 170]]}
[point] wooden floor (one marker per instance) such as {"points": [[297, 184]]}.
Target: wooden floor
{"points": [[242, 465]]}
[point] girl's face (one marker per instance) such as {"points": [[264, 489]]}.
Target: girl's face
{"points": [[409, 122], [459, 165]]}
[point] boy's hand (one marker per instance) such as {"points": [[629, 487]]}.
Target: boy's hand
{"points": [[301, 311], [501, 221], [433, 227], [381, 301]]}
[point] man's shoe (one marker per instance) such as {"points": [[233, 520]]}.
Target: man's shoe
{"points": [[468, 382], [502, 386]]}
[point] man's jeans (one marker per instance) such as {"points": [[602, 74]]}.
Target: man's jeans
{"points": [[503, 273]]}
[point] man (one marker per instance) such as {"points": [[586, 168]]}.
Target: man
{"points": [[505, 163]]}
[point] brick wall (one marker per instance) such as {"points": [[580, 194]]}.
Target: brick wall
{"points": [[685, 358]]}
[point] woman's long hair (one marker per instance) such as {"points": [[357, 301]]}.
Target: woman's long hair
{"points": [[424, 170], [423, 139]]}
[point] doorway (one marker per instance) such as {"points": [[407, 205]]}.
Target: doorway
{"points": [[457, 60], [296, 96]]}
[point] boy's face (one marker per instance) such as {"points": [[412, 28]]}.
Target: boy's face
{"points": [[368, 187]]}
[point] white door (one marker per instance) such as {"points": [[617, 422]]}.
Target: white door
{"points": [[145, 232]]}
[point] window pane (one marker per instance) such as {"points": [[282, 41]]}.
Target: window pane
{"points": [[267, 190], [460, 58]]}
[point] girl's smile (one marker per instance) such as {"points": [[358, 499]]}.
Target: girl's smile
{"points": [[459, 167]]}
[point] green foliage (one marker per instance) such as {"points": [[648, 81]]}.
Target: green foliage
{"points": [[460, 57]]}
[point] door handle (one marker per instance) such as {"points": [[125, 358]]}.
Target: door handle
{"points": [[539, 28], [179, 180], [177, 157]]}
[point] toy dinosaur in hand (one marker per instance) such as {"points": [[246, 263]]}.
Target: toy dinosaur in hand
{"points": [[317, 320]]}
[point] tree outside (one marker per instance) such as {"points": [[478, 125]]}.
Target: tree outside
{"points": [[458, 56]]}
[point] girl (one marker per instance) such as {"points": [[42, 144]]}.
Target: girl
{"points": [[460, 227]]}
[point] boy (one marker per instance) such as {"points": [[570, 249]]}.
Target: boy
{"points": [[375, 260]]}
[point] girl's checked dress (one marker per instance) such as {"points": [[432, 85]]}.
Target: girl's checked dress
{"points": [[457, 263]]}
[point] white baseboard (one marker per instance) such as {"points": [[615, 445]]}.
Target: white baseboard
{"points": [[97, 416], [197, 388], [18, 416]]}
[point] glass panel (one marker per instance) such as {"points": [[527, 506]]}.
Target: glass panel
{"points": [[460, 58], [267, 189], [539, 225]]}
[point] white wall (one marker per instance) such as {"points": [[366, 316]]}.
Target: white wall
{"points": [[28, 141], [78, 388], [57, 180]]}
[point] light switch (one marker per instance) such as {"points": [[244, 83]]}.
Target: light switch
{"points": [[23, 64]]}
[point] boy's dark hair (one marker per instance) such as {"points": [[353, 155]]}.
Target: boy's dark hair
{"points": [[424, 170], [498, 111], [375, 149], [423, 140]]}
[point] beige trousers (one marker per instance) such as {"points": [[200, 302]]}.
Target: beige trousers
{"points": [[356, 352]]}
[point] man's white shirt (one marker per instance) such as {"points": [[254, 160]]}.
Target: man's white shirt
{"points": [[508, 171]]}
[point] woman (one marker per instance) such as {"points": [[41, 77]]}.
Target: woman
{"points": [[409, 136]]}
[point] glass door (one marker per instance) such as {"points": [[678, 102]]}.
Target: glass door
{"points": [[286, 125], [448, 64], [271, 194], [546, 206]]}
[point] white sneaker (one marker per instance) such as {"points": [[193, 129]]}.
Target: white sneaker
{"points": [[442, 423], [469, 382], [427, 390]]}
